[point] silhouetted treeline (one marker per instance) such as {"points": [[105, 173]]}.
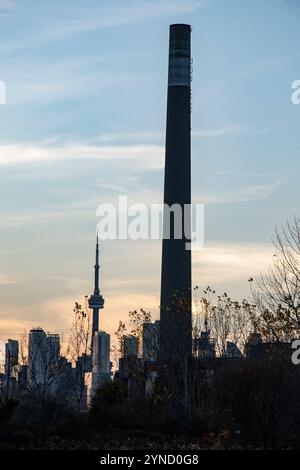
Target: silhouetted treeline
{"points": [[246, 404]]}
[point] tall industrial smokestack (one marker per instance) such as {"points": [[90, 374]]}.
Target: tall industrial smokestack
{"points": [[175, 310]]}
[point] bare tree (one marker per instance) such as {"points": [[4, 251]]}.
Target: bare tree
{"points": [[132, 366], [227, 319], [117, 348], [137, 318], [43, 367], [277, 293], [79, 351]]}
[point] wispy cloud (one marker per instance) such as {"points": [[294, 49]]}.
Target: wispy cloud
{"points": [[56, 25], [248, 193], [223, 263], [155, 135], [6, 279], [221, 131], [148, 156], [249, 70], [133, 11], [35, 217], [143, 136], [229, 130], [43, 82]]}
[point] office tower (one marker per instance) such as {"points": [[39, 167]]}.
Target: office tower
{"points": [[53, 348], [37, 356], [232, 351], [101, 351], [101, 367], [254, 348], [11, 355], [96, 301], [43, 354], [150, 341], [204, 347], [175, 304], [130, 347]]}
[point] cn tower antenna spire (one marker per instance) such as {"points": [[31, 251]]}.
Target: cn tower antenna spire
{"points": [[97, 267]]}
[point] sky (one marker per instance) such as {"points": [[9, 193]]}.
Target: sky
{"points": [[84, 122]]}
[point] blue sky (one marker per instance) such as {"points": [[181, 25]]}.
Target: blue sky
{"points": [[84, 123]]}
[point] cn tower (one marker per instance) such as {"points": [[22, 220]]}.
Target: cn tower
{"points": [[96, 301]]}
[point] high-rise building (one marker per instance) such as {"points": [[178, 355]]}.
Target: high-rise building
{"points": [[11, 367], [204, 346], [96, 301], [37, 356], [53, 348], [43, 355], [11, 355], [175, 304], [232, 351], [151, 341], [254, 346], [101, 351], [101, 366], [130, 346]]}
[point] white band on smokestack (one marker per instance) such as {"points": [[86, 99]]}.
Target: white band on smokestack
{"points": [[180, 56]]}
